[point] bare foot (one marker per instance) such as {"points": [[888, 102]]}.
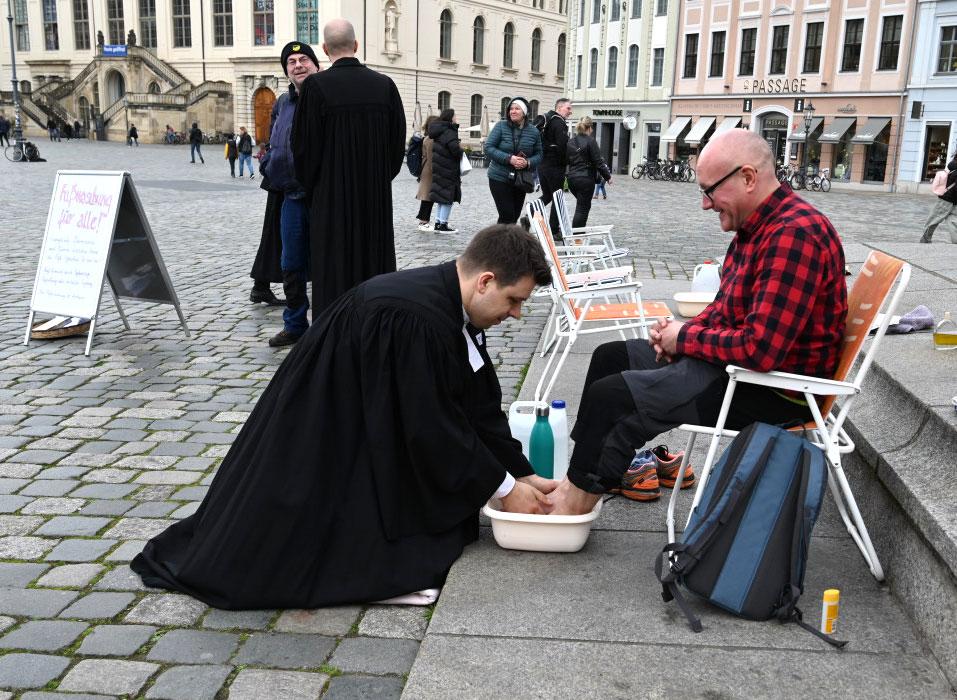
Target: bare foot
{"points": [[568, 499]]}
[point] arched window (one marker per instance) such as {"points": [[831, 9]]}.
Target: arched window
{"points": [[508, 51], [533, 109], [504, 110], [478, 40], [445, 100], [593, 68], [537, 50], [475, 110], [615, 10], [612, 76], [84, 109], [153, 88], [445, 34], [560, 68], [633, 65]]}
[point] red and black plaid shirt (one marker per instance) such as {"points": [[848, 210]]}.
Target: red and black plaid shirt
{"points": [[783, 300]]}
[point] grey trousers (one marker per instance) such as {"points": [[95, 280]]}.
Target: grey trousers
{"points": [[943, 213]]}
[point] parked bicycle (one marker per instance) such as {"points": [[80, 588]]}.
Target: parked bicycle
{"points": [[16, 153], [820, 180]]}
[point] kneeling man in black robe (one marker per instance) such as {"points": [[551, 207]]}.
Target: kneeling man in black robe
{"points": [[360, 473]]}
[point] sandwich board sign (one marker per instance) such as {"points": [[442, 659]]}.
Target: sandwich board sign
{"points": [[96, 230]]}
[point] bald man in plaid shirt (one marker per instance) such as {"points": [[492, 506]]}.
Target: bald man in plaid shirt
{"points": [[781, 306]]}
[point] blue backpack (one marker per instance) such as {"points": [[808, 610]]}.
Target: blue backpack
{"points": [[745, 546], [413, 155]]}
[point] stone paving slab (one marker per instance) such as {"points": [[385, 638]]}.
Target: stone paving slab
{"points": [[115, 640], [286, 651], [43, 635], [30, 670], [255, 684], [189, 683], [108, 676]]}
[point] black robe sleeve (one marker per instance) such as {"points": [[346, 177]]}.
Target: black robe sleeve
{"points": [[397, 127], [306, 137]]}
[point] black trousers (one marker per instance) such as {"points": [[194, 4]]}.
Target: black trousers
{"points": [[425, 210], [509, 200], [551, 179], [583, 189], [629, 398]]}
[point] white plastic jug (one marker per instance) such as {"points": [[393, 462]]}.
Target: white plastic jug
{"points": [[521, 418], [558, 419], [706, 278]]}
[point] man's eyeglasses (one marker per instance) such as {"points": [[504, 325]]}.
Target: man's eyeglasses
{"points": [[710, 190]]}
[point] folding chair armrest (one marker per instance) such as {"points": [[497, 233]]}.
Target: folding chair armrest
{"points": [[604, 228], [593, 250], [593, 291], [600, 276], [793, 382], [587, 234]]}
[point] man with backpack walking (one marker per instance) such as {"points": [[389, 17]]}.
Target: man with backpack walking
{"points": [[760, 320], [245, 145], [195, 144], [551, 172]]}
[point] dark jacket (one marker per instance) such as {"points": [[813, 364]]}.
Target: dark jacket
{"points": [[278, 165], [134, 134], [554, 141], [245, 144], [500, 146], [584, 159], [951, 194], [446, 163], [231, 152], [196, 135], [4, 125]]}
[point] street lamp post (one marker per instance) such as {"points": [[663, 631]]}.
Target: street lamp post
{"points": [[17, 124], [808, 116]]}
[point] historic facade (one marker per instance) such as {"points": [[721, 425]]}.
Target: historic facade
{"points": [[756, 64], [120, 62], [620, 74]]}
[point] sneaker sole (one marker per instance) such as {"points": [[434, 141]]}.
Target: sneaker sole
{"points": [[638, 495], [670, 483]]}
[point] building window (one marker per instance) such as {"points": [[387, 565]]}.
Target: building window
{"points": [[116, 27], [749, 41], [853, 35], [633, 65], [562, 50], [537, 51], [475, 110], [148, 23], [445, 100], [51, 37], [813, 41], [307, 21], [595, 11], [581, 13], [947, 60], [717, 55], [562, 7], [153, 88], [875, 156], [661, 9], [611, 79], [504, 111], [593, 68], [81, 25], [532, 109], [20, 23], [779, 50], [445, 34], [223, 23], [508, 49], [578, 72], [264, 23], [691, 56], [890, 42], [182, 32], [615, 10], [478, 40], [657, 67], [636, 9]]}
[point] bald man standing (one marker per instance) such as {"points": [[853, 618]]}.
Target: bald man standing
{"points": [[781, 306], [348, 144]]}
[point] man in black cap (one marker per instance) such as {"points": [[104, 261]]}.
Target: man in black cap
{"points": [[298, 63], [349, 142]]}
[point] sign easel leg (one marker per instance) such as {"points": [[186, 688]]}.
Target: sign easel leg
{"points": [[89, 337], [26, 337], [182, 319], [116, 300]]}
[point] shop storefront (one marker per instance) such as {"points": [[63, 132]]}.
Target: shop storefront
{"points": [[623, 147]]}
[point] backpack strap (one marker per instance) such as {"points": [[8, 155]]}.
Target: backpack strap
{"points": [[669, 587]]}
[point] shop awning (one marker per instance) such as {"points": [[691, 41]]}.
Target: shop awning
{"points": [[727, 124], [871, 130], [699, 130], [798, 134], [835, 131], [676, 129]]}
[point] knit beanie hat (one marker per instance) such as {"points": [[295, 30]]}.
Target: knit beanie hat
{"points": [[521, 102], [296, 47]]}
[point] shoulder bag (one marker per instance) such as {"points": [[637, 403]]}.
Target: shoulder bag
{"points": [[522, 179]]}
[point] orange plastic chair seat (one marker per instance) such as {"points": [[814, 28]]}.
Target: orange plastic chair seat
{"points": [[608, 312]]}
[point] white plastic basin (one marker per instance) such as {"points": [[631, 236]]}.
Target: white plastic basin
{"points": [[691, 304], [540, 533]]}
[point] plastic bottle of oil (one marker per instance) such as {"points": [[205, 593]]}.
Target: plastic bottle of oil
{"points": [[945, 334]]}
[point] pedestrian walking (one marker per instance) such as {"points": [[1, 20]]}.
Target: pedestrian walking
{"points": [[600, 187], [68, 130], [231, 153], [133, 138], [4, 129], [52, 130], [244, 144], [195, 143], [77, 129], [554, 155], [170, 135], [585, 167], [515, 150], [425, 179], [446, 168], [945, 208]]}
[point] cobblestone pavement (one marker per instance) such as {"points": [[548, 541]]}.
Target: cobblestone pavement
{"points": [[98, 454]]}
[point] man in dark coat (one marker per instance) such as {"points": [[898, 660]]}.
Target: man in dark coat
{"points": [[551, 172], [348, 144], [399, 441]]}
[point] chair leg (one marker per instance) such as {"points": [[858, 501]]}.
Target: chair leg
{"points": [[713, 446], [677, 487], [853, 521], [555, 372], [550, 337]]}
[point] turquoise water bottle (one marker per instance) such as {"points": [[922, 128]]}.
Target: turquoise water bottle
{"points": [[541, 445]]}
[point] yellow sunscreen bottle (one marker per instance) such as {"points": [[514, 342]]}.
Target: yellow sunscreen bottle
{"points": [[832, 598]]}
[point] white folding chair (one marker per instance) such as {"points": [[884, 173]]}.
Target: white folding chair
{"points": [[873, 289], [585, 309], [586, 235]]}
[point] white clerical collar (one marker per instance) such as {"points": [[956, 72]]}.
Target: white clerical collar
{"points": [[475, 357]]}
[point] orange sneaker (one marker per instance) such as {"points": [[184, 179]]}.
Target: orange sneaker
{"points": [[667, 468], [640, 482]]}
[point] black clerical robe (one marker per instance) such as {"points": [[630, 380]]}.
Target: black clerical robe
{"points": [[360, 473], [348, 142]]}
